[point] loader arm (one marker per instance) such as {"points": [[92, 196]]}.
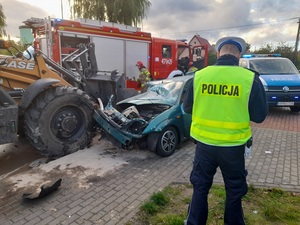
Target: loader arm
{"points": [[65, 72], [88, 63]]}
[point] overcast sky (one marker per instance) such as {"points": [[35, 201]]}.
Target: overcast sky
{"points": [[259, 22]]}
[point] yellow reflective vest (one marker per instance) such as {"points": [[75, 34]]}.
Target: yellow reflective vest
{"points": [[144, 76], [220, 114]]}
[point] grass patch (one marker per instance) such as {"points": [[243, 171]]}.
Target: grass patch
{"points": [[261, 206]]}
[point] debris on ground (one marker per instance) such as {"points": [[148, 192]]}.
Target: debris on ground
{"points": [[44, 190]]}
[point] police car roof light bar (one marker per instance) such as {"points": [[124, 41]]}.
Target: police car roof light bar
{"points": [[261, 55]]}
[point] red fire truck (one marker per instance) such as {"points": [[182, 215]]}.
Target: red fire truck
{"points": [[117, 46]]}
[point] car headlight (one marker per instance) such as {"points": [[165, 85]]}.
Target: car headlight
{"points": [[264, 83]]}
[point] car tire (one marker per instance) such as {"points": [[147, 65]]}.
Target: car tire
{"points": [[295, 108], [167, 142]]}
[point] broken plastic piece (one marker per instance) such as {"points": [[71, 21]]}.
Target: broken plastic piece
{"points": [[45, 190]]}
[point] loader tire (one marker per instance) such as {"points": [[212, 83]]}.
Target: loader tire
{"points": [[60, 121]]}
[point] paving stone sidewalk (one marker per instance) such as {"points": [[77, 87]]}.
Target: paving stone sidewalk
{"points": [[116, 197]]}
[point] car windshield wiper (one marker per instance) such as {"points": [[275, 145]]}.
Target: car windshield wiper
{"points": [[275, 73], [284, 73], [267, 73]]}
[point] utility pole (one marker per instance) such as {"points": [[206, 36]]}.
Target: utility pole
{"points": [[296, 44], [62, 9]]}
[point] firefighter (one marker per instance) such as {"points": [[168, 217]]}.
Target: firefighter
{"points": [[144, 76], [223, 99], [192, 68]]}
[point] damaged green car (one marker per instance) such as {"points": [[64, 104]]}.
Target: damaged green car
{"points": [[153, 120]]}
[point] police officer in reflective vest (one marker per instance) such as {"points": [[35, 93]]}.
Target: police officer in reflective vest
{"points": [[223, 99]]}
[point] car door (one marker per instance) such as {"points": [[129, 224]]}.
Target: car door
{"points": [[187, 118]]}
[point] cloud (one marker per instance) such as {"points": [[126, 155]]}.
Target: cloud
{"points": [[259, 22], [16, 12], [277, 8], [186, 18]]}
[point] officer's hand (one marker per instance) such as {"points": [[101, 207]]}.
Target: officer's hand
{"points": [[247, 152]]}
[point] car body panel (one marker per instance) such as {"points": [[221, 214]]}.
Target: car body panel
{"points": [[123, 138], [279, 80]]}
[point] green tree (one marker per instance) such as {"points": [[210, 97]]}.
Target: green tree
{"points": [[128, 12], [212, 58], [281, 48], [248, 47], [2, 22], [285, 50], [264, 49]]}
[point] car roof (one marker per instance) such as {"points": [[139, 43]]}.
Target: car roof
{"points": [[181, 78]]}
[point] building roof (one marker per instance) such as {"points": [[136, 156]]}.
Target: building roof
{"points": [[202, 41]]}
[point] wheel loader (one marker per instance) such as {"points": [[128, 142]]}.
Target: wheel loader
{"points": [[54, 104]]}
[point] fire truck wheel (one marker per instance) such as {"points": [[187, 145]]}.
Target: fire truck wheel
{"points": [[60, 121], [167, 142]]}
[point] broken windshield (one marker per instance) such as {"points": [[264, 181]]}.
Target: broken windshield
{"points": [[170, 91]]}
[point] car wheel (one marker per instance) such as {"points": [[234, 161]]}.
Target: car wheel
{"points": [[295, 108], [167, 142]]}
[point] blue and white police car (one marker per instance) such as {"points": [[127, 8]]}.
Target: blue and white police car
{"points": [[280, 77]]}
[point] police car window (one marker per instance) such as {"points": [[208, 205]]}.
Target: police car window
{"points": [[254, 66], [166, 51], [272, 66]]}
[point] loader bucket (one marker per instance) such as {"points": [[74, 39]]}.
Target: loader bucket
{"points": [[103, 85]]}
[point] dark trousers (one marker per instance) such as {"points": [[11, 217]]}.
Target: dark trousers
{"points": [[232, 165]]}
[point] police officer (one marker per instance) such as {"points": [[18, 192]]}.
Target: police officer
{"points": [[144, 76], [223, 99]]}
